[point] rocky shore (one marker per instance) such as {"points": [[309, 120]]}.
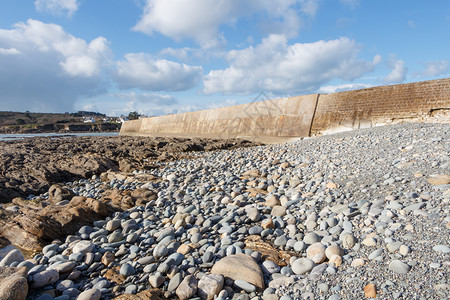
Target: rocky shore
{"points": [[346, 216]]}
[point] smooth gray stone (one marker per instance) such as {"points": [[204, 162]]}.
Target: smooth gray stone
{"points": [[51, 247], [399, 267], [270, 267], [78, 256], [441, 248], [174, 282], [146, 260], [302, 266], [208, 256], [127, 270], [65, 267], [36, 269], [244, 285], [281, 240], [13, 256], [177, 258], [44, 278], [374, 254], [131, 289]]}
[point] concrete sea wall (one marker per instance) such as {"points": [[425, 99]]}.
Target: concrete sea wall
{"points": [[303, 116]]}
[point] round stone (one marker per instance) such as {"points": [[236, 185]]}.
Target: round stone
{"points": [[316, 252], [348, 240], [399, 267], [156, 280], [302, 265], [160, 251], [333, 250], [244, 285], [113, 224], [311, 238], [270, 267], [127, 270], [441, 248], [83, 247], [116, 236], [299, 246]]}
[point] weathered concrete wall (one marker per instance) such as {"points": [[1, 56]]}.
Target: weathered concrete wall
{"points": [[379, 105], [302, 116], [287, 117]]}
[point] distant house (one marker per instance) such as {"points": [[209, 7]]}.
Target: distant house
{"points": [[123, 119], [89, 120]]}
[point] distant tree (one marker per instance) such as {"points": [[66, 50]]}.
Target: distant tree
{"points": [[20, 121], [133, 115]]}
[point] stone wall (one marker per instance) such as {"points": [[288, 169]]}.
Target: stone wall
{"points": [[380, 105], [303, 116], [286, 117]]}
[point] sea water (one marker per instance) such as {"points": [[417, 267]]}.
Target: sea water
{"points": [[12, 137]]}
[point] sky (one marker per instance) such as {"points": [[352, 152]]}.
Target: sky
{"points": [[168, 56]]}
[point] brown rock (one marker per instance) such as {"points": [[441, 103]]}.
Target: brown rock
{"points": [[439, 179], [278, 211], [331, 185], [240, 266], [251, 173], [268, 251], [13, 283], [184, 249], [114, 275], [56, 193], [267, 223], [151, 294], [108, 258], [272, 201], [370, 291]]}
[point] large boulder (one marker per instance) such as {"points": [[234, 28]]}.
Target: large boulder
{"points": [[13, 283], [240, 266]]}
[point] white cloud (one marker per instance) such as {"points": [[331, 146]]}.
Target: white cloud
{"points": [[200, 20], [398, 73], [147, 98], [140, 70], [351, 3], [57, 7], [310, 7], [76, 56], [178, 19], [278, 67], [435, 68], [329, 89], [9, 51], [50, 69]]}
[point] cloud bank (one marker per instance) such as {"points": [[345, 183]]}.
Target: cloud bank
{"points": [[200, 20], [46, 69], [278, 67], [141, 70]]}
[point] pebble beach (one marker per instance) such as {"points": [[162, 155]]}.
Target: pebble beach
{"points": [[353, 215]]}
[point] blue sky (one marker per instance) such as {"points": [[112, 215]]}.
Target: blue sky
{"points": [[167, 56]]}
